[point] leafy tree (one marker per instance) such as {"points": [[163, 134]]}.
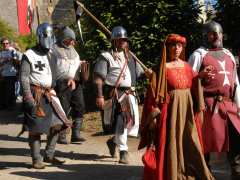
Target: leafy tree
{"points": [[6, 30], [147, 22], [229, 17], [23, 41]]}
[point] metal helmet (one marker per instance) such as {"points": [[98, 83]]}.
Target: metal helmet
{"points": [[118, 32], [45, 35], [67, 33], [215, 27]]}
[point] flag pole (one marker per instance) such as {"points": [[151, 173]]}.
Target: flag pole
{"points": [[37, 12], [50, 10]]}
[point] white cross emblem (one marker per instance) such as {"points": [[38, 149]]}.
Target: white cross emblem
{"points": [[226, 80]]}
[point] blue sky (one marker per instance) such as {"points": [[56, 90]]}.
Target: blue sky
{"points": [[211, 1]]}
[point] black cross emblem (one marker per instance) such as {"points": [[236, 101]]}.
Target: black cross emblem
{"points": [[39, 65]]}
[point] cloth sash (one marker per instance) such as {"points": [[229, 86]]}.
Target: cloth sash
{"points": [[50, 94], [129, 106]]}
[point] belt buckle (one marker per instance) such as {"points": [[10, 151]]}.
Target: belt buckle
{"points": [[220, 98], [132, 88]]}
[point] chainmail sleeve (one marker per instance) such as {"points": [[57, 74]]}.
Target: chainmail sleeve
{"points": [[52, 59], [25, 70], [101, 67], [139, 70]]}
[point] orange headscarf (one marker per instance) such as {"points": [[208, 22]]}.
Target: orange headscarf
{"points": [[159, 85]]}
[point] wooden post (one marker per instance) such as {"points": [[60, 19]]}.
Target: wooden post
{"points": [[37, 12]]}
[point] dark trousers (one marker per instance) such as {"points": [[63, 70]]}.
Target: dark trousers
{"points": [[35, 146], [7, 92], [234, 152], [73, 104], [72, 101]]}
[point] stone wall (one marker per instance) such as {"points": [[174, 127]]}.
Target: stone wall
{"points": [[63, 12]]}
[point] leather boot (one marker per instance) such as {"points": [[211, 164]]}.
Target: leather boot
{"points": [[123, 157], [77, 124], [235, 166], [35, 145], [38, 165], [62, 138], [112, 147], [50, 149], [51, 144], [53, 161]]}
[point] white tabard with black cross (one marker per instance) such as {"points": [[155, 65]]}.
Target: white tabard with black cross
{"points": [[40, 69]]}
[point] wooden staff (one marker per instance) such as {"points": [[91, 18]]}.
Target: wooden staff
{"points": [[50, 10], [108, 32], [38, 16]]}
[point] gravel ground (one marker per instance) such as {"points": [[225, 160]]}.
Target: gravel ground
{"points": [[87, 161]]}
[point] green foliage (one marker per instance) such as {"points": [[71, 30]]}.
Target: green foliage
{"points": [[23, 41], [229, 17], [26, 42], [147, 22], [5, 30]]}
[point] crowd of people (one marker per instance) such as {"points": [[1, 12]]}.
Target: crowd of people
{"points": [[191, 107]]}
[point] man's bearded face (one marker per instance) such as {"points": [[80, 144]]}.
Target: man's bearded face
{"points": [[215, 39], [121, 44]]}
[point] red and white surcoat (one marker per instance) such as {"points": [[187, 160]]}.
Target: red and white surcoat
{"points": [[221, 94]]}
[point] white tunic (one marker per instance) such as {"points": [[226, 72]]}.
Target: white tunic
{"points": [[114, 70], [41, 74], [66, 66]]}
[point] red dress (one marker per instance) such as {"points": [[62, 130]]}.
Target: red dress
{"points": [[179, 152]]}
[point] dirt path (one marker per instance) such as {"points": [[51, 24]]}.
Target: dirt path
{"points": [[87, 161]]}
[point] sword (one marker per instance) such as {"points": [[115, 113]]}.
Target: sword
{"points": [[79, 13], [80, 30]]}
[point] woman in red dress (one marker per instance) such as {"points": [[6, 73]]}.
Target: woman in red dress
{"points": [[169, 123]]}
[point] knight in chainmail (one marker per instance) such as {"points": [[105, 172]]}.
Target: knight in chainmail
{"points": [[69, 68], [115, 77], [221, 125], [42, 109]]}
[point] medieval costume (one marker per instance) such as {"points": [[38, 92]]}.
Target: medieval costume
{"points": [[221, 125], [169, 126], [116, 74], [42, 109], [69, 67]]}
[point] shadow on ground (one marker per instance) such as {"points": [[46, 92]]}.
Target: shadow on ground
{"points": [[89, 172], [4, 137], [67, 155], [8, 165], [14, 152], [12, 116]]}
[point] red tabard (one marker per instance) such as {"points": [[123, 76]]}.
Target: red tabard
{"points": [[218, 113]]}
